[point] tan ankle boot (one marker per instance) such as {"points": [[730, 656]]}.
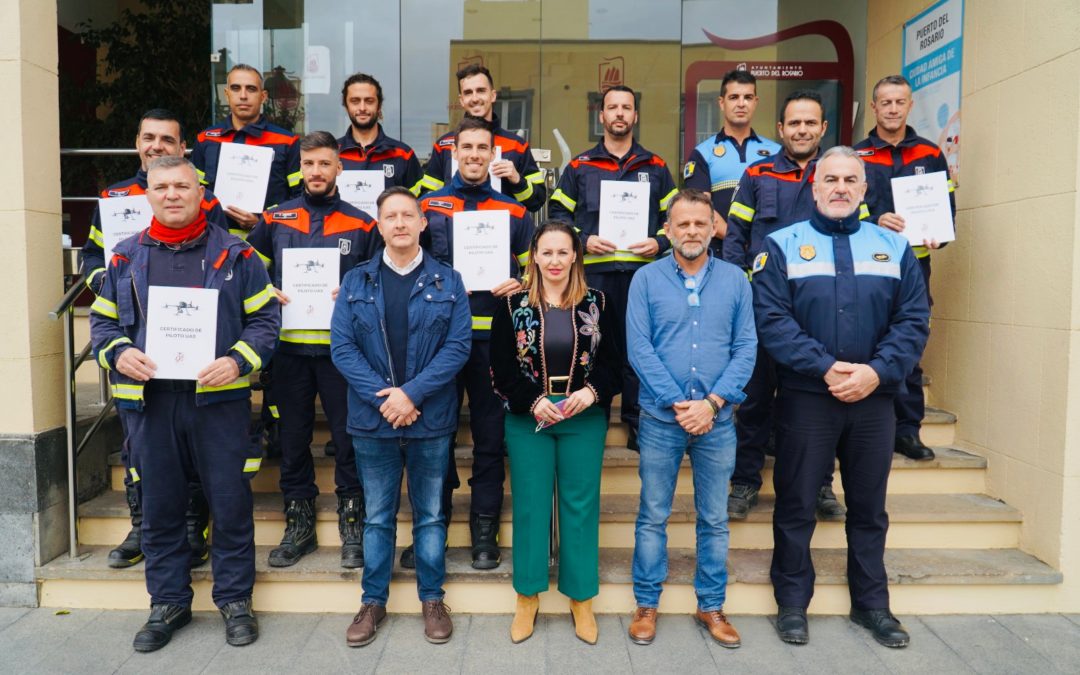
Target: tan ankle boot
{"points": [[528, 606], [584, 622]]}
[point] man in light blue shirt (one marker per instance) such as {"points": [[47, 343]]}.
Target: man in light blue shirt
{"points": [[691, 338]]}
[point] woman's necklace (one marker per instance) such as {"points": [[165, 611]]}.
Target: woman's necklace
{"points": [[553, 305]]}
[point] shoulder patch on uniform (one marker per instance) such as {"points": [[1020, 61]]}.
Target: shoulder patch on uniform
{"points": [[446, 142], [807, 252], [440, 203], [719, 150], [285, 215], [764, 153], [581, 158], [119, 193], [214, 133], [882, 257], [864, 153], [759, 262], [688, 170]]}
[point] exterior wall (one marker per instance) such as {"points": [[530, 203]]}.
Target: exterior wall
{"points": [[1006, 334]]}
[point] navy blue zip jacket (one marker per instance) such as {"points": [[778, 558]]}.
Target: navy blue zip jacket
{"points": [[396, 160], [439, 344], [839, 290]]}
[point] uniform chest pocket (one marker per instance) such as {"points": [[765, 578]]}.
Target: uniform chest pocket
{"points": [[363, 313], [125, 303], [592, 192], [768, 199]]}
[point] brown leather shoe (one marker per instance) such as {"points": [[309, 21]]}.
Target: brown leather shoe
{"points": [[585, 627], [643, 626], [528, 606], [717, 624], [437, 624], [361, 631]]}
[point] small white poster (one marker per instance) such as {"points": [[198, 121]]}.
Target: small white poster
{"points": [[122, 217], [624, 212], [317, 70], [482, 248], [309, 277], [181, 330], [496, 182], [242, 176], [362, 189], [922, 201]]}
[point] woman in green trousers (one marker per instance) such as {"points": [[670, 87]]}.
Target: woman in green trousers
{"points": [[554, 364]]}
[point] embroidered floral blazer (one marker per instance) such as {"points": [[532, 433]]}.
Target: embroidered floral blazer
{"points": [[518, 366]]}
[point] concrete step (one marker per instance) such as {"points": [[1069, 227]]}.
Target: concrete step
{"points": [[917, 521], [922, 581], [952, 470]]}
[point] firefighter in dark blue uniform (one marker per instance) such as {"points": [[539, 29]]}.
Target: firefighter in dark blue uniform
{"points": [[470, 190], [893, 150], [160, 135], [182, 428], [717, 163], [365, 146], [517, 171], [773, 193], [577, 200], [841, 307], [302, 365]]}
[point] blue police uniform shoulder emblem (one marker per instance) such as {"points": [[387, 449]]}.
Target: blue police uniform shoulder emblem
{"points": [[719, 150], [759, 262], [688, 170]]}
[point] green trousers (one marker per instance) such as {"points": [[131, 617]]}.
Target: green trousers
{"points": [[569, 454]]}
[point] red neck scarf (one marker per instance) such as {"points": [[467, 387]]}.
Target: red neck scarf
{"points": [[169, 235]]}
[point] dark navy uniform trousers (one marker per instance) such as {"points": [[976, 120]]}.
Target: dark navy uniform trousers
{"points": [[172, 442], [910, 401], [813, 430], [615, 285]]}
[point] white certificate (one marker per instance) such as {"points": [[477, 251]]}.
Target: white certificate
{"points": [[496, 182], [309, 277], [923, 202], [243, 173], [362, 189], [482, 248], [122, 217], [624, 212], [181, 330]]}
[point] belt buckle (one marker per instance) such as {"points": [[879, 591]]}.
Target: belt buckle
{"points": [[564, 380]]}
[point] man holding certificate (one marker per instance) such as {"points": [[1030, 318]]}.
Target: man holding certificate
{"points": [[485, 235], [251, 163], [309, 244], [892, 151], [617, 195], [185, 313]]}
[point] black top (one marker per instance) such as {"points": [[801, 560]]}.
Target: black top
{"points": [[180, 266], [558, 341], [396, 291]]}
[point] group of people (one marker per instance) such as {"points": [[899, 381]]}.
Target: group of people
{"points": [[772, 308]]}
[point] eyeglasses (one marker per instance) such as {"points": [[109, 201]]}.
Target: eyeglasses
{"points": [[693, 299]]}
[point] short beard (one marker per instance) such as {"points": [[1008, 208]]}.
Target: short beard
{"points": [[365, 127], [619, 134], [681, 249]]}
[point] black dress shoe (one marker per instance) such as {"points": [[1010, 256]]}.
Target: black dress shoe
{"points": [[241, 626], [828, 506], [408, 557], [885, 627], [631, 438], [791, 625], [159, 628], [912, 448]]}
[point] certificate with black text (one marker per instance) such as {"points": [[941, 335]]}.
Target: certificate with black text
{"points": [[309, 277], [181, 330], [122, 217], [496, 182], [362, 188], [922, 201], [243, 173], [624, 212], [482, 248]]}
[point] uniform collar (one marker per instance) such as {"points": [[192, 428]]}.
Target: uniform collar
{"points": [[723, 136], [635, 151], [909, 137], [348, 141], [459, 185], [847, 225], [330, 202], [253, 129], [140, 178], [784, 164]]}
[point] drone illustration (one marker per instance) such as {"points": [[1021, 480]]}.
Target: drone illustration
{"points": [[481, 228], [627, 197], [920, 190], [128, 214], [360, 184], [246, 159], [183, 308], [310, 266]]}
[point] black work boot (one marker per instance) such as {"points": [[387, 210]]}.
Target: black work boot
{"points": [[241, 626], [330, 449], [740, 500], [351, 528], [129, 552], [885, 627], [159, 628], [198, 526], [408, 557], [299, 538], [485, 541], [828, 506], [912, 447]]}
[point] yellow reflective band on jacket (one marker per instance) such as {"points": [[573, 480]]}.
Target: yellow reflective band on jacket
{"points": [[742, 211], [952, 185], [249, 354], [666, 201], [563, 199], [431, 182], [415, 189], [617, 256], [93, 275], [240, 383], [239, 232], [864, 211], [920, 251], [265, 259], [134, 475], [481, 323], [104, 353], [535, 177], [295, 178], [104, 307], [523, 259], [252, 464], [202, 176], [662, 232], [96, 236], [274, 411], [306, 337], [128, 392], [524, 194], [259, 300]]}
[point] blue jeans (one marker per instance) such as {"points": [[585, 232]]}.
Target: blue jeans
{"points": [[380, 462], [712, 459]]}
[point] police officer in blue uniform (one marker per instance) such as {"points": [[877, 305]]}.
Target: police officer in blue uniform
{"points": [[182, 428], [717, 163], [841, 307]]}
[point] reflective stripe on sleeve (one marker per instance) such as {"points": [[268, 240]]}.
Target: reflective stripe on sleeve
{"points": [[259, 300], [481, 323], [96, 236], [252, 464], [741, 211], [666, 201], [295, 178], [565, 200], [249, 354], [105, 307], [103, 355]]}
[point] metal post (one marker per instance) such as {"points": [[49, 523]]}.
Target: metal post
{"points": [[103, 387], [69, 402]]}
